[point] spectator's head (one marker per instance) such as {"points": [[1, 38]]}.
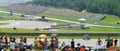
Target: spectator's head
{"points": [[51, 37], [56, 38], [25, 37], [72, 39], [98, 38], [39, 38], [78, 44], [111, 39], [1, 37], [63, 41], [6, 36], [35, 37]]}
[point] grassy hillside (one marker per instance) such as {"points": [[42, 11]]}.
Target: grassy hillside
{"points": [[109, 20], [72, 15], [59, 14], [8, 17]]}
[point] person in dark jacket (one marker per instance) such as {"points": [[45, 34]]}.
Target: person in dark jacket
{"points": [[72, 43]]}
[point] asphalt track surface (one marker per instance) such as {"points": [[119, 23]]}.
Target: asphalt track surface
{"points": [[26, 24]]}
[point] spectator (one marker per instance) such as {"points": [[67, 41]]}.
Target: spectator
{"points": [[99, 46], [72, 43], [21, 46], [58, 49], [111, 48], [71, 49], [1, 45], [21, 39], [66, 48], [82, 48], [14, 39], [52, 45], [16, 49], [11, 38], [45, 46], [12, 46], [4, 49], [36, 44], [28, 46], [62, 45], [99, 42], [56, 42], [78, 47], [115, 41], [25, 39], [6, 38], [108, 42], [111, 42], [40, 44]]}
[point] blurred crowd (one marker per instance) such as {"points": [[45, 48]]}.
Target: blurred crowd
{"points": [[8, 43]]}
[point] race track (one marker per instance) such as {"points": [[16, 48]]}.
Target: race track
{"points": [[26, 24]]}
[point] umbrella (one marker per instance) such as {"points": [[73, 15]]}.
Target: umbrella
{"points": [[43, 36]]}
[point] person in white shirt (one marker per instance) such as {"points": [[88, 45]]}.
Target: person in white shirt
{"points": [[12, 46]]}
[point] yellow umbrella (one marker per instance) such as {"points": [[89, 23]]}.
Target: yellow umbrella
{"points": [[43, 36]]}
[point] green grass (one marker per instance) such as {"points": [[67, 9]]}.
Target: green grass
{"points": [[57, 16], [8, 17], [1, 23], [65, 30], [92, 30], [15, 17], [110, 20], [4, 8], [18, 30]]}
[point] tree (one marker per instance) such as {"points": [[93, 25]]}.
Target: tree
{"points": [[95, 6]]}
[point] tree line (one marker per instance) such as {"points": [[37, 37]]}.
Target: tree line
{"points": [[95, 6]]}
